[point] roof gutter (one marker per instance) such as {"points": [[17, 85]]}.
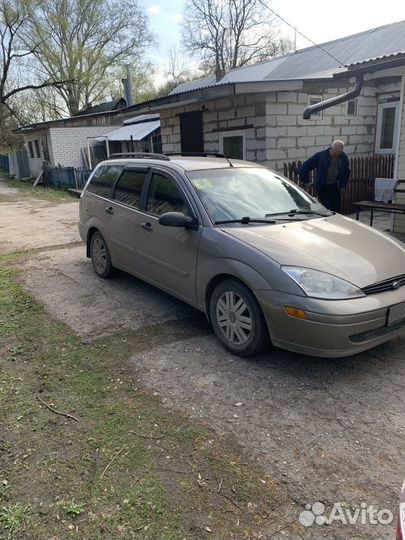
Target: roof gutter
{"points": [[335, 100]]}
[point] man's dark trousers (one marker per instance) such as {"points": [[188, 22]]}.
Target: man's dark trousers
{"points": [[330, 197]]}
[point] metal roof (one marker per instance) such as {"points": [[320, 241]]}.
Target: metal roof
{"points": [[106, 106], [137, 131], [377, 58], [313, 62]]}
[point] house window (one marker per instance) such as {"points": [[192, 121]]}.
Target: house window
{"points": [[31, 149], [233, 144], [387, 121], [37, 151], [313, 100], [352, 107]]}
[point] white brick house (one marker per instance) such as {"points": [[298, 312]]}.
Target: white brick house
{"points": [[256, 112], [62, 142]]}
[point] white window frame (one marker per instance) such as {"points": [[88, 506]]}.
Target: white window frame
{"points": [[357, 108], [316, 115], [380, 109], [232, 133]]}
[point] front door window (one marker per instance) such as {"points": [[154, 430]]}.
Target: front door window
{"points": [[164, 196]]}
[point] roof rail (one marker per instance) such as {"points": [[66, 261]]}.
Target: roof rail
{"points": [[140, 155], [201, 154]]}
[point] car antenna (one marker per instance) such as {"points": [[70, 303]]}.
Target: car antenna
{"points": [[228, 160]]}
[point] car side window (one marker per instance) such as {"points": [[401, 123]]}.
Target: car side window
{"points": [[129, 188], [103, 180], [164, 196]]}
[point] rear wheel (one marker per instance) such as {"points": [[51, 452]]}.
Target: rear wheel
{"points": [[237, 318], [100, 256]]}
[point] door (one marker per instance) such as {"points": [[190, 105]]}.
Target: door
{"points": [[125, 216], [191, 132], [167, 256], [45, 148], [96, 202]]}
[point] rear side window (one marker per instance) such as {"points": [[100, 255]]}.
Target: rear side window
{"points": [[103, 180], [129, 188], [164, 196]]}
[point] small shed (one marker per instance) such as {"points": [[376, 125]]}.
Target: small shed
{"points": [[138, 134]]}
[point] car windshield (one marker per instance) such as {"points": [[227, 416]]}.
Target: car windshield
{"points": [[238, 193]]}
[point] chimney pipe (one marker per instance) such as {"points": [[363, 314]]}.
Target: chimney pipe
{"points": [[219, 72], [128, 87]]}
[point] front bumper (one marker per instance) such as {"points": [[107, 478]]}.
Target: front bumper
{"points": [[332, 328]]}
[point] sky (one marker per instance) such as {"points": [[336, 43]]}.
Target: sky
{"points": [[320, 20]]}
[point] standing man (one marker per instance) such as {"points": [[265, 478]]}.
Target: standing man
{"points": [[332, 174]]}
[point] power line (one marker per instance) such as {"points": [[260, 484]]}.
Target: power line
{"points": [[341, 64]]}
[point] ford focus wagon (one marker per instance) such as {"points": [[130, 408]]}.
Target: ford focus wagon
{"points": [[266, 262]]}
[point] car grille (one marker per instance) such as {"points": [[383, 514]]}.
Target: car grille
{"points": [[377, 332], [387, 285]]}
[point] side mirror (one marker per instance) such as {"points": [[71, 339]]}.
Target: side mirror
{"points": [[178, 219]]}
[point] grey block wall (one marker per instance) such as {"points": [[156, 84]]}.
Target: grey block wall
{"points": [[275, 130]]}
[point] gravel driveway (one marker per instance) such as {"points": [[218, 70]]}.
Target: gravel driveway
{"points": [[326, 430]]}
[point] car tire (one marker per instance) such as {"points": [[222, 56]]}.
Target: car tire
{"points": [[237, 318], [100, 256]]}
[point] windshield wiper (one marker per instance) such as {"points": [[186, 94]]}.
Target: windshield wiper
{"points": [[300, 212], [245, 221]]}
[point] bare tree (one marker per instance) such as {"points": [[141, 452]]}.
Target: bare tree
{"points": [[177, 71], [14, 18], [82, 40], [230, 33]]}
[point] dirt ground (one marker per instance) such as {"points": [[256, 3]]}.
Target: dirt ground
{"points": [[27, 223], [326, 430]]}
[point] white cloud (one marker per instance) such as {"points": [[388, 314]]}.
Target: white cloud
{"points": [[154, 10]]}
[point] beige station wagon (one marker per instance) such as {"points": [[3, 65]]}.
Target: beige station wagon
{"points": [[266, 262]]}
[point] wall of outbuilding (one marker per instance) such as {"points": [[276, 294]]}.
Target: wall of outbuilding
{"points": [[240, 112], [66, 144], [275, 130]]}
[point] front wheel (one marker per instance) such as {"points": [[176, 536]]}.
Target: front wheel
{"points": [[100, 256], [237, 318]]}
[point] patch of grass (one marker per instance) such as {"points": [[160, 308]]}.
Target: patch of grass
{"points": [[129, 467], [40, 192], [14, 515], [73, 509]]}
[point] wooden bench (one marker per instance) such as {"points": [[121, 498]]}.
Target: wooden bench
{"points": [[392, 208]]}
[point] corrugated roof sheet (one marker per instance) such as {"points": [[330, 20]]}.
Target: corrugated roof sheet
{"points": [[136, 131], [312, 62], [377, 58]]}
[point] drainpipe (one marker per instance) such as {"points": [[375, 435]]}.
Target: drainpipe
{"points": [[398, 127], [335, 100]]}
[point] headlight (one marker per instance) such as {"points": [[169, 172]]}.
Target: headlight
{"points": [[322, 285]]}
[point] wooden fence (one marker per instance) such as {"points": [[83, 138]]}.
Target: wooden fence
{"points": [[364, 171]]}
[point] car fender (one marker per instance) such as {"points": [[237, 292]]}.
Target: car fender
{"points": [[212, 271], [93, 223]]}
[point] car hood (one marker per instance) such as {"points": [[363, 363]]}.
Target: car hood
{"points": [[337, 245]]}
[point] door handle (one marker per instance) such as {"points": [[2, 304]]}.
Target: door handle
{"points": [[109, 210], [147, 226]]}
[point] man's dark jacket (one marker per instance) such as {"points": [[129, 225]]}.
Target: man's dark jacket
{"points": [[321, 161]]}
